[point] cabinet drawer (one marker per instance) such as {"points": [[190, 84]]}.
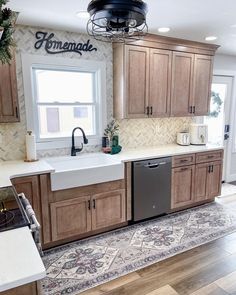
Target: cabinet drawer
{"points": [[209, 156], [184, 160]]}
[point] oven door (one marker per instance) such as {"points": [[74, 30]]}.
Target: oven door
{"points": [[34, 224]]}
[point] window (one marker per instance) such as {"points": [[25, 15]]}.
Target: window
{"points": [[64, 100], [61, 94]]}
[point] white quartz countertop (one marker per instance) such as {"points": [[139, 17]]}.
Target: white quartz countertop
{"points": [[11, 169], [162, 151], [20, 262]]}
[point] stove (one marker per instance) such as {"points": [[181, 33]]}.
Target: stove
{"points": [[12, 213]]}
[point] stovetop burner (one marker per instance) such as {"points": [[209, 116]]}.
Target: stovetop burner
{"points": [[12, 214], [6, 217]]}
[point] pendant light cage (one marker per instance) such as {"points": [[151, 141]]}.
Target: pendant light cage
{"points": [[117, 20]]}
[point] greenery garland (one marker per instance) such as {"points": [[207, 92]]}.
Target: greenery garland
{"points": [[7, 21], [216, 104]]}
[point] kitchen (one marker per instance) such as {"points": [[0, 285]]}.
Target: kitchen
{"points": [[89, 204]]}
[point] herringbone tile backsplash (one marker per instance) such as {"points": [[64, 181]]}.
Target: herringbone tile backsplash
{"points": [[133, 133]]}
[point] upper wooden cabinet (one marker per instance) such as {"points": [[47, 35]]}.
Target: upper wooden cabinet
{"points": [[9, 108], [162, 77], [137, 75], [202, 78], [181, 85]]}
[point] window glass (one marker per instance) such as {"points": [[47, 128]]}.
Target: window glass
{"points": [[64, 86], [65, 100]]}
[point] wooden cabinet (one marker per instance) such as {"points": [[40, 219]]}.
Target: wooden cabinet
{"points": [[84, 214], [201, 182], [182, 186], [162, 77], [202, 78], [9, 108], [82, 211], [137, 79], [109, 209], [142, 82], [70, 218], [159, 83], [28, 289], [181, 86]]}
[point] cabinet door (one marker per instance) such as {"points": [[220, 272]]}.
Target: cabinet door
{"points": [[202, 78], [108, 209], [160, 81], [182, 186], [201, 182], [215, 180], [181, 85], [70, 218], [137, 81], [9, 109], [29, 185]]}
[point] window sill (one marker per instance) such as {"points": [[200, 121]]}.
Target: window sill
{"points": [[66, 143]]}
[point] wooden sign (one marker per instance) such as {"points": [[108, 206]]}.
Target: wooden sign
{"points": [[53, 46]]}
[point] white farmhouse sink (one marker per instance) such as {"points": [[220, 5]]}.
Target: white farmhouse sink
{"points": [[84, 170]]}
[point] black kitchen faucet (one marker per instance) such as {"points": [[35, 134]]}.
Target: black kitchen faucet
{"points": [[75, 150]]}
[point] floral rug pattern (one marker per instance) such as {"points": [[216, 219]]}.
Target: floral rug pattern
{"points": [[85, 264]]}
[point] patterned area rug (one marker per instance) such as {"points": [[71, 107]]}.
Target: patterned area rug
{"points": [[81, 265]]}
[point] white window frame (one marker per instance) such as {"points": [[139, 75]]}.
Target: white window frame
{"points": [[29, 62]]}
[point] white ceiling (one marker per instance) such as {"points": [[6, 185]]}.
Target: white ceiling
{"points": [[189, 19]]}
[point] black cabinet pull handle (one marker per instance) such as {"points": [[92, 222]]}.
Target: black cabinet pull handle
{"points": [[94, 204], [17, 115], [191, 110], [212, 168], [89, 205], [148, 111], [194, 109], [184, 169], [151, 111], [209, 169]]}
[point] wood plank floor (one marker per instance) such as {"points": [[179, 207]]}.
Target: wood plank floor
{"points": [[206, 270]]}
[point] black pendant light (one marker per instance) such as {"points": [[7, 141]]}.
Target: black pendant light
{"points": [[117, 20]]}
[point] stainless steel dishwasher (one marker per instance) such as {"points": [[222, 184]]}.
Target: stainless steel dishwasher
{"points": [[151, 190]]}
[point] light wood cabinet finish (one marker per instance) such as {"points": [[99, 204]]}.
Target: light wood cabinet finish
{"points": [[162, 77], [184, 160], [202, 78], [108, 209], [28, 289], [181, 87], [197, 183], [214, 179], [137, 77], [160, 81], [209, 156], [70, 218], [182, 186], [9, 108], [201, 182]]}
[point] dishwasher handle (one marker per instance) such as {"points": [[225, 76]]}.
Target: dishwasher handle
{"points": [[154, 165]]}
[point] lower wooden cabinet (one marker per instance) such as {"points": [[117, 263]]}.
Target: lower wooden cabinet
{"points": [[29, 289], [214, 179], [108, 209], [73, 212], [84, 214], [70, 218], [201, 182], [182, 186]]}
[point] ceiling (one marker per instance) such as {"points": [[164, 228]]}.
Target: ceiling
{"points": [[188, 19]]}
